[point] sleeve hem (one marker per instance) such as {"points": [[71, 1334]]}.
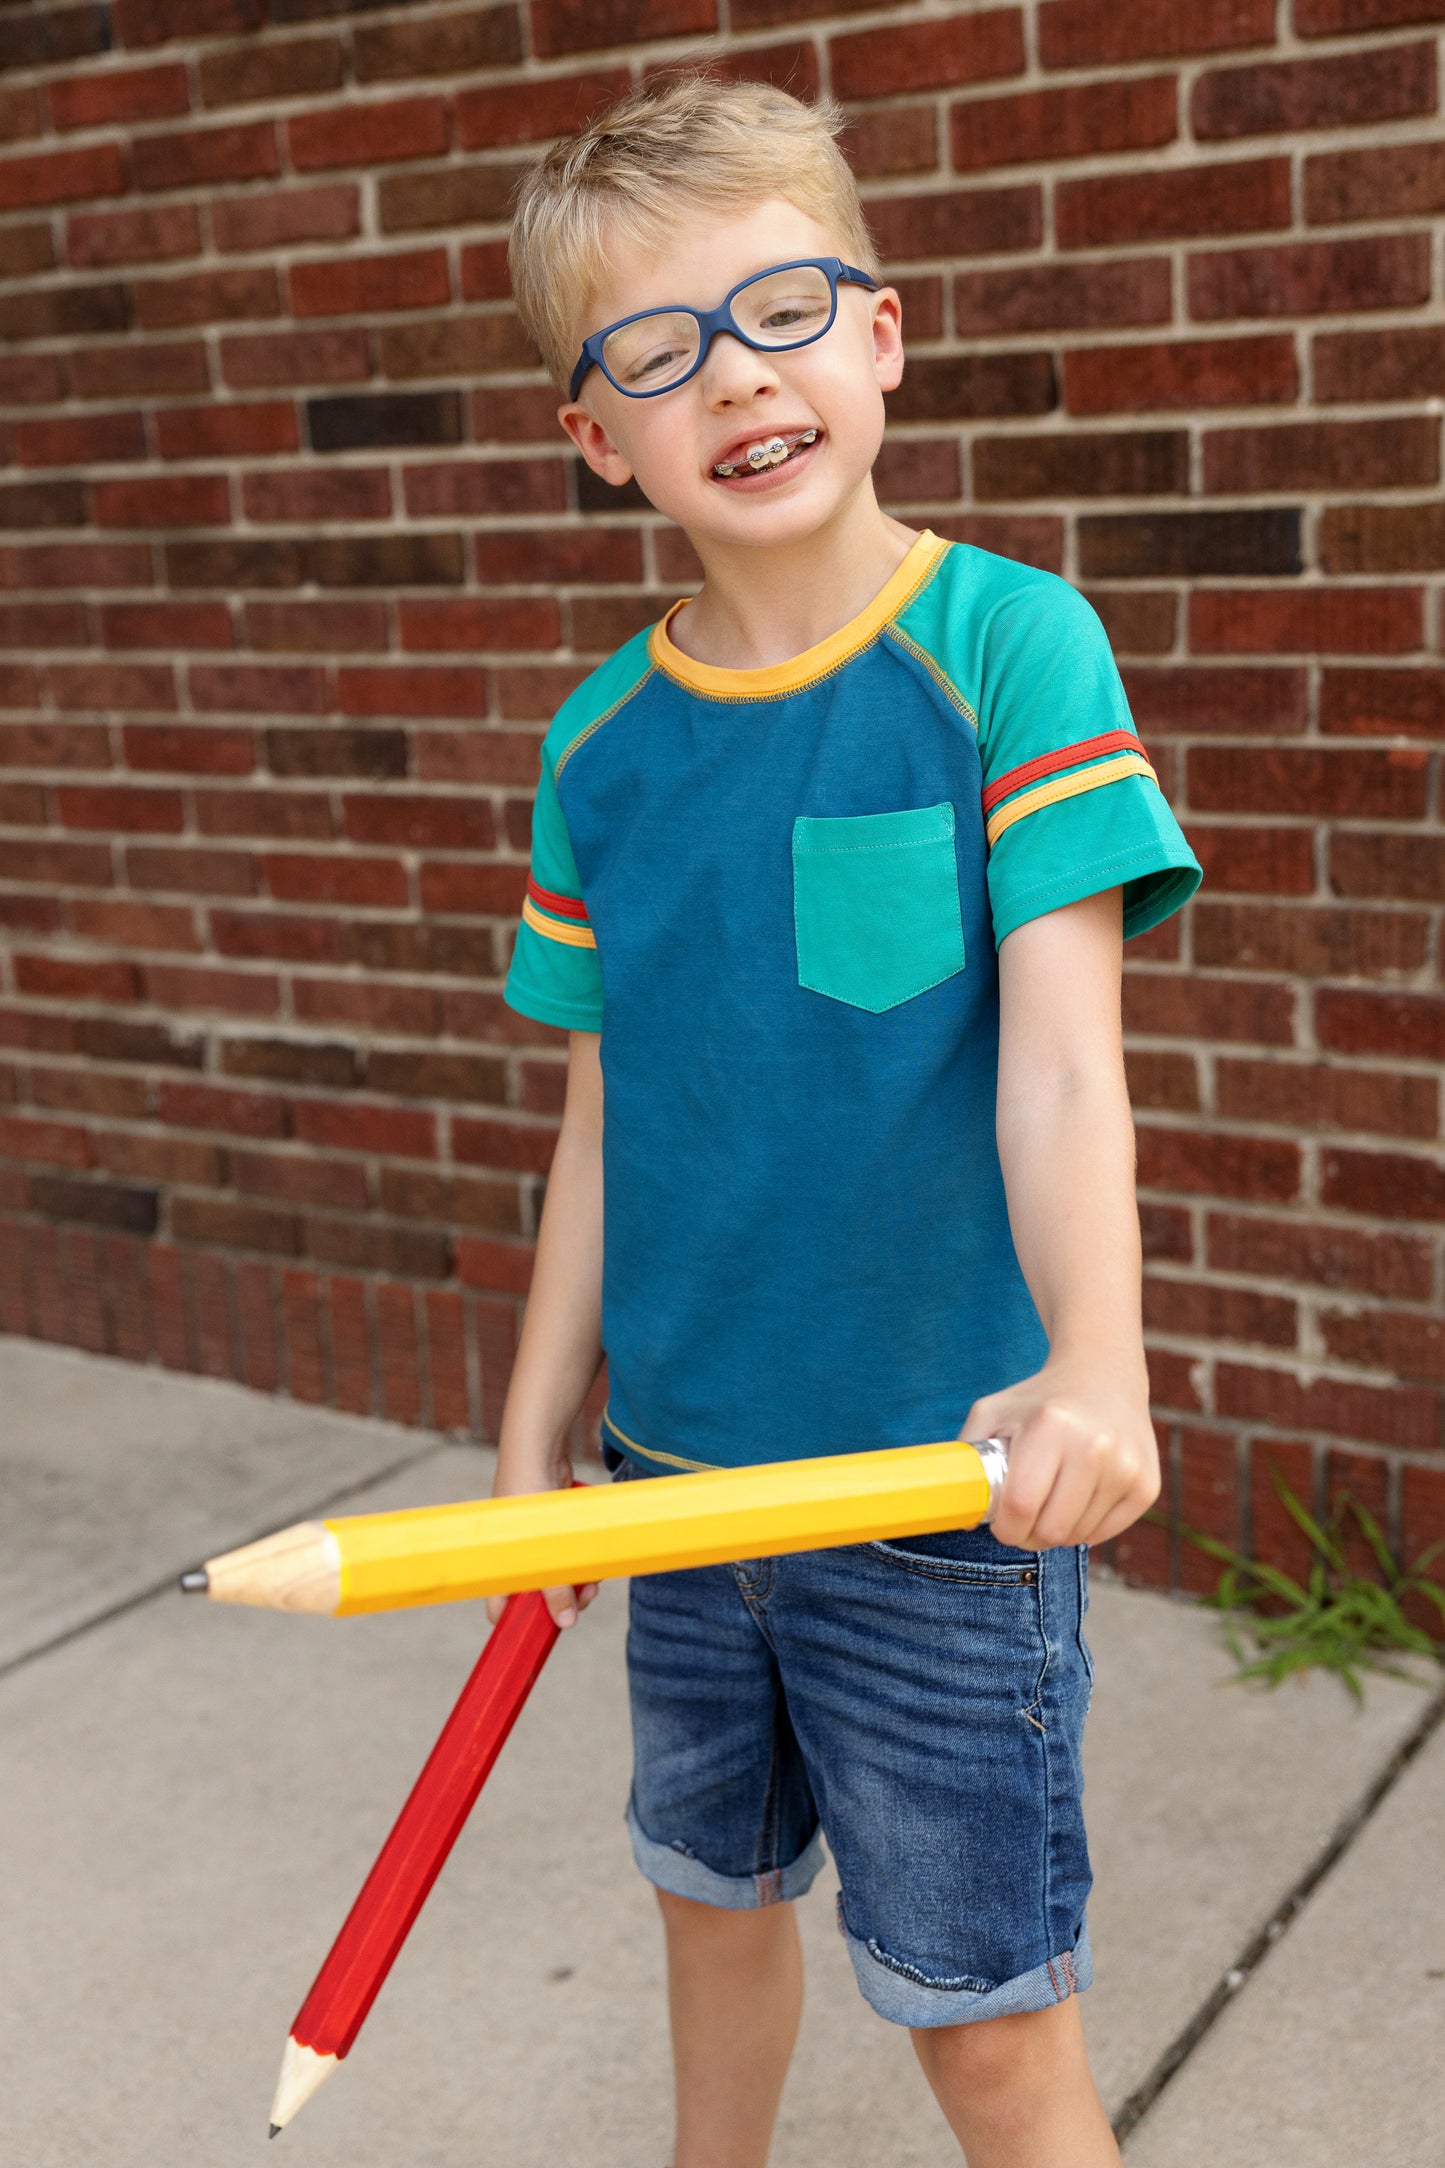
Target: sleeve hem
{"points": [[1174, 883], [547, 1009]]}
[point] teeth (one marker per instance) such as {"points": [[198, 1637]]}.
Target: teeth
{"points": [[770, 452]]}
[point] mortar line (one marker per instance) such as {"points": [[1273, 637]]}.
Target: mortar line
{"points": [[1280, 1920], [82, 1627]]}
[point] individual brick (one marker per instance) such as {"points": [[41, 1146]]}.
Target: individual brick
{"points": [[76, 440], [1205, 1310], [1184, 545], [1137, 623], [330, 212], [454, 195], [1086, 33], [891, 139], [99, 1204], [349, 1333], [1139, 112], [205, 297], [244, 151], [139, 370], [154, 22], [1301, 782], [352, 285], [1311, 278], [267, 70], [304, 877], [1179, 1005], [1320, 1253], [462, 1079], [1386, 1185], [26, 248], [531, 111], [1319, 1095], [60, 312], [234, 993], [1244, 195], [1388, 82], [259, 688], [226, 429], [467, 624], [358, 421], [574, 26], [256, 1312], [170, 748], [1382, 537], [430, 689], [62, 978], [32, 379], [103, 685], [1408, 1025], [424, 823], [940, 55], [1057, 296], [162, 500], [1405, 1342], [40, 37], [1081, 464], [228, 1225], [316, 627], [62, 176], [1181, 698], [483, 487], [340, 356], [1307, 941], [238, 564], [146, 235], [1422, 1534], [289, 937], [1396, 453], [467, 346], [1401, 180], [276, 495], [1307, 620], [330, 1064], [1329, 18], [1409, 869], [956, 222], [1263, 1169], [99, 97], [453, 44], [354, 134], [404, 560], [1384, 703], [335, 751]]}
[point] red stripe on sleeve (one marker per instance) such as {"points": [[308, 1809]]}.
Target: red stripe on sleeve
{"points": [[567, 906], [1112, 741]]}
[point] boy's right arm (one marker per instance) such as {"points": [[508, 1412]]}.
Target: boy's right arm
{"points": [[560, 1347]]}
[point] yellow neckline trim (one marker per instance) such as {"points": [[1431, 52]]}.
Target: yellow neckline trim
{"points": [[814, 662]]}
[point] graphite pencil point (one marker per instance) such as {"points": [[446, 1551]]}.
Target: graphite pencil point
{"points": [[195, 1583], [275, 2130]]}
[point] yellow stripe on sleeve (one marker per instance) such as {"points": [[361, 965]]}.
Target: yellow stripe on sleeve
{"points": [[555, 930], [1066, 786]]}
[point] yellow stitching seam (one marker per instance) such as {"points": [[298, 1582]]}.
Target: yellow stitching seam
{"points": [[672, 1459], [597, 723], [944, 681], [1068, 786], [555, 930]]}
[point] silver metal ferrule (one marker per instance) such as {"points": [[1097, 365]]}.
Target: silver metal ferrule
{"points": [[994, 1454]]}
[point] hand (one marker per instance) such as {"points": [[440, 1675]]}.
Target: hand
{"points": [[1083, 1459], [518, 1475]]}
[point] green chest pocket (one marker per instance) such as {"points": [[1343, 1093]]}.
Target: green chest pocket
{"points": [[876, 911]]}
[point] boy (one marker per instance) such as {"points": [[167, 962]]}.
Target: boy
{"points": [[830, 870]]}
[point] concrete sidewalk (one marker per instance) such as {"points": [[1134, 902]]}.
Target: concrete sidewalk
{"points": [[193, 1795]]}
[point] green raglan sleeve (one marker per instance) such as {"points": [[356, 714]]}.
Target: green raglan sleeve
{"points": [[555, 975], [1071, 804]]}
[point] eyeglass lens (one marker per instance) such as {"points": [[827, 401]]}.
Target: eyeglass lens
{"points": [[782, 308]]}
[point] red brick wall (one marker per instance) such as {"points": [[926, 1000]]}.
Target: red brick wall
{"points": [[295, 568]]}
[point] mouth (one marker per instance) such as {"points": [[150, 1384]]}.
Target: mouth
{"points": [[762, 455]]}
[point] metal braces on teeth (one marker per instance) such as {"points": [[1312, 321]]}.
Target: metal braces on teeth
{"points": [[771, 453]]}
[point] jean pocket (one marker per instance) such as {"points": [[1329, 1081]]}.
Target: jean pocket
{"points": [[876, 911]]}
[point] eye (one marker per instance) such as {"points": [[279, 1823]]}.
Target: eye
{"points": [[789, 315], [662, 361]]}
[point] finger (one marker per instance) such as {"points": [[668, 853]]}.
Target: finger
{"points": [[495, 1607], [1120, 1516], [1076, 1499], [562, 1603], [585, 1594], [1032, 1465]]}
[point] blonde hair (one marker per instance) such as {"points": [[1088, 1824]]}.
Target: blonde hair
{"points": [[686, 141]]}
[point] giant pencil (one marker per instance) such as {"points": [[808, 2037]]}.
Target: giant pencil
{"points": [[413, 1855], [596, 1532]]}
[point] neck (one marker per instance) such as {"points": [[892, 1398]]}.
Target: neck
{"points": [[760, 607]]}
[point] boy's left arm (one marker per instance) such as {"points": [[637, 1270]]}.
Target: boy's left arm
{"points": [[1083, 1459]]}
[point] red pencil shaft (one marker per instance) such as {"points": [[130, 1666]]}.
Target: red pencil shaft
{"points": [[426, 1828]]}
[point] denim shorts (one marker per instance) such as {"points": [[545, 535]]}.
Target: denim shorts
{"points": [[918, 1703]]}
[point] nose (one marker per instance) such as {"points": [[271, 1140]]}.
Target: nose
{"points": [[733, 373]]}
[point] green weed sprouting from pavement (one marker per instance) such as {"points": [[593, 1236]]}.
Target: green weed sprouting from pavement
{"points": [[1336, 1619]]}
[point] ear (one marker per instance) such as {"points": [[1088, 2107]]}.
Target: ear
{"points": [[593, 442], [887, 337]]}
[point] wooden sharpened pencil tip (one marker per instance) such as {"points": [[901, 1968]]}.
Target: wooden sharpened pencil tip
{"points": [[196, 1583], [303, 2072]]}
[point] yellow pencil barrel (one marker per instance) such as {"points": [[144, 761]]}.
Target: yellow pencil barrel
{"points": [[497, 1546]]}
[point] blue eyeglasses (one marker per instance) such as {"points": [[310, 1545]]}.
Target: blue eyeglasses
{"points": [[788, 305]]}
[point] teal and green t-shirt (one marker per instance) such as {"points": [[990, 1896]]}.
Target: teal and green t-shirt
{"points": [[779, 895]]}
